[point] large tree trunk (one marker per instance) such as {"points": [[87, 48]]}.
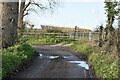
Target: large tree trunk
{"points": [[9, 24], [118, 43], [20, 19], [0, 26]]}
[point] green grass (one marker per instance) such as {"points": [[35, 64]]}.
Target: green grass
{"points": [[47, 40], [105, 64], [21, 52], [15, 56]]}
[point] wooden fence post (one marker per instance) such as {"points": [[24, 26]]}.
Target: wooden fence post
{"points": [[82, 35], [90, 36], [75, 33], [70, 34]]}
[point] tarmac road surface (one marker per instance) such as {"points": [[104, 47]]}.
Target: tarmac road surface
{"points": [[56, 62]]}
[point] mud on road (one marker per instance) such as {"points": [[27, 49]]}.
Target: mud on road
{"points": [[56, 62]]}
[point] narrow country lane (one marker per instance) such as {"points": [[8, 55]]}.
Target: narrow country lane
{"points": [[56, 62]]}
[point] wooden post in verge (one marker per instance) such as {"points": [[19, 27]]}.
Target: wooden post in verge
{"points": [[90, 36], [75, 32]]}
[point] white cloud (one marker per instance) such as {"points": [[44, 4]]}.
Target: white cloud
{"points": [[93, 11]]}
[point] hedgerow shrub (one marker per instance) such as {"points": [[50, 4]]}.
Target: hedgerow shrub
{"points": [[58, 40], [15, 56], [106, 65], [47, 40], [53, 31]]}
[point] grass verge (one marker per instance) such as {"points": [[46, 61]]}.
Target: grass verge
{"points": [[105, 64], [15, 56]]}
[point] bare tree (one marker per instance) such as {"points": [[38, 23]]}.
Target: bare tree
{"points": [[25, 9], [20, 18]]}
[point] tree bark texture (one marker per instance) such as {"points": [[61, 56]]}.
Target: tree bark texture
{"points": [[9, 22]]}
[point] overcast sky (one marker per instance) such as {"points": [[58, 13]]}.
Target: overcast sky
{"points": [[82, 13]]}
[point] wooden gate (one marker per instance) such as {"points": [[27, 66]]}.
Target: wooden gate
{"points": [[87, 36]]}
